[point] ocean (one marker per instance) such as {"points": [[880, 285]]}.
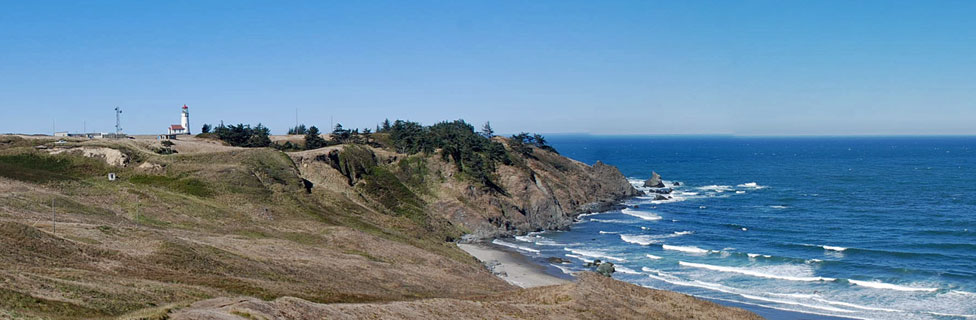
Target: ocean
{"points": [[854, 227]]}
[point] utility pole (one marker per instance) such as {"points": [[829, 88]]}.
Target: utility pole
{"points": [[54, 218]]}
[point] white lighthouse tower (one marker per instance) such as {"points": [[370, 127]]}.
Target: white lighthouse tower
{"points": [[185, 119], [184, 126]]}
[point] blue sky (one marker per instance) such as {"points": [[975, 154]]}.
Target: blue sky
{"points": [[642, 67]]}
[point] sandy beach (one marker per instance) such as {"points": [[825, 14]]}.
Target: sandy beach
{"points": [[511, 266]]}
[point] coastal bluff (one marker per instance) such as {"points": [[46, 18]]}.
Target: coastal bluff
{"points": [[539, 191], [340, 226]]}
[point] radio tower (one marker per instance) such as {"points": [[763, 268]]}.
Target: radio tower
{"points": [[118, 122]]}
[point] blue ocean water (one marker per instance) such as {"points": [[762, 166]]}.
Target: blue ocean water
{"points": [[867, 227]]}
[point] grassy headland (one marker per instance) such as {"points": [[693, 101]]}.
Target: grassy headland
{"points": [[365, 218]]}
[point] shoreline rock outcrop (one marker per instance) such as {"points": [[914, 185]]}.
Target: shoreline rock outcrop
{"points": [[654, 182]]}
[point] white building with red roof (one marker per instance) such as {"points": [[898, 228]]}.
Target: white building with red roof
{"points": [[184, 126]]}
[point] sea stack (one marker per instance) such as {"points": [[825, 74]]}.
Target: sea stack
{"points": [[654, 181]]}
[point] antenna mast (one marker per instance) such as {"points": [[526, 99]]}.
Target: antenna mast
{"points": [[118, 122]]}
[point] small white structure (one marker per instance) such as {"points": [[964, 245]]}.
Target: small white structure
{"points": [[111, 176], [184, 126]]}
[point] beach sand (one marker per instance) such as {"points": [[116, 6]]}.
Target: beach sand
{"points": [[513, 267], [522, 271]]}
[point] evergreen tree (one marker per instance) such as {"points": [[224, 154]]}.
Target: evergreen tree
{"points": [[205, 129], [312, 139], [487, 131], [339, 134], [259, 137], [299, 129]]}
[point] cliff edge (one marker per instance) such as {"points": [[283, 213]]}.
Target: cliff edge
{"points": [[538, 191]]}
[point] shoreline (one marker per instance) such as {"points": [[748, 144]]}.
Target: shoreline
{"points": [[513, 267], [524, 271]]}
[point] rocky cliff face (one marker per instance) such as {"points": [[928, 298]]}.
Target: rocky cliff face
{"points": [[539, 191]]}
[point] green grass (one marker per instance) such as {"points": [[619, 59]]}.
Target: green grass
{"points": [[188, 186], [37, 168], [385, 188], [25, 303]]}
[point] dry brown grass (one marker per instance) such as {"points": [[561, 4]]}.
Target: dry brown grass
{"points": [[126, 246], [591, 297], [142, 247]]}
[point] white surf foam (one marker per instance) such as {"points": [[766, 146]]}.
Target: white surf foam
{"points": [[643, 240], [855, 306], [653, 257], [817, 297], [833, 248], [739, 192], [695, 250], [778, 207], [751, 185], [536, 239], [967, 316], [681, 233], [715, 188], [562, 268], [752, 255], [753, 272], [641, 214], [661, 276], [882, 285], [514, 246], [595, 254], [608, 232], [609, 220], [583, 215], [578, 257], [622, 269], [826, 308]]}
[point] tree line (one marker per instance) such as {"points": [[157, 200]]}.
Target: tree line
{"points": [[474, 153]]}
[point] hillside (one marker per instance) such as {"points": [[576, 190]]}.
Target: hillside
{"points": [[199, 220], [591, 297]]}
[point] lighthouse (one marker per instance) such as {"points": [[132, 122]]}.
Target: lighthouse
{"points": [[185, 119], [184, 126]]}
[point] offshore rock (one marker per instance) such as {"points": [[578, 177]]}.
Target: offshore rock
{"points": [[654, 181]]}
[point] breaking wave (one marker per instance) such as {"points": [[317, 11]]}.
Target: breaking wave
{"points": [[643, 240], [751, 185], [754, 272], [882, 285], [832, 248], [695, 250], [609, 221], [715, 188], [641, 214], [514, 246], [594, 254]]}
